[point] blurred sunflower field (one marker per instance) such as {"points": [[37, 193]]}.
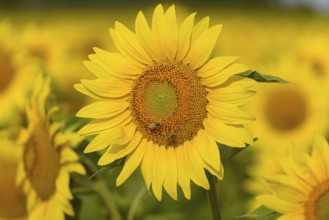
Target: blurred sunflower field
{"points": [[104, 106]]}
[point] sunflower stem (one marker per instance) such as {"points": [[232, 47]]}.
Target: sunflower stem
{"points": [[213, 197], [103, 192], [100, 187]]}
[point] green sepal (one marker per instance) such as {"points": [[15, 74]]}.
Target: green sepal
{"points": [[227, 152], [259, 77], [261, 213], [116, 163]]}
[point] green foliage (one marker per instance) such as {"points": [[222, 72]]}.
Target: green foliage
{"points": [[261, 213], [252, 74]]}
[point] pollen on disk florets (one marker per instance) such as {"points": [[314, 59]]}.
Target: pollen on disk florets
{"points": [[168, 103]]}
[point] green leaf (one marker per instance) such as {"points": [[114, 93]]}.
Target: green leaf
{"points": [[252, 74], [261, 213]]}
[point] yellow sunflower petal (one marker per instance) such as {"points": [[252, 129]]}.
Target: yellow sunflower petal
{"points": [[108, 88], [208, 149], [127, 43], [146, 37], [115, 152], [103, 125], [157, 26], [194, 165], [81, 88], [68, 155], [132, 162], [75, 168], [170, 182], [216, 65], [222, 76], [63, 184], [117, 65], [116, 137], [199, 29], [203, 47], [321, 152], [276, 204], [183, 177], [237, 98], [159, 171], [227, 113], [184, 37], [148, 163], [103, 109], [170, 32], [234, 136]]}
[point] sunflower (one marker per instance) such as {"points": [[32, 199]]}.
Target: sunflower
{"points": [[12, 198], [302, 192], [16, 72], [163, 103], [47, 161], [290, 112]]}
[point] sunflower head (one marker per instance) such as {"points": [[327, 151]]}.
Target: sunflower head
{"points": [[48, 158], [302, 191], [162, 102]]}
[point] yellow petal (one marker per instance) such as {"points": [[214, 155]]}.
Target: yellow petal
{"points": [[228, 114], [215, 65], [208, 149], [231, 96], [199, 29], [115, 152], [170, 33], [184, 37], [159, 171], [116, 137], [103, 125], [183, 177], [108, 88], [117, 65], [75, 167], [218, 173], [96, 70], [103, 109], [128, 45], [320, 156], [233, 136], [194, 165], [277, 204], [203, 47], [63, 184], [132, 162], [157, 27], [68, 155], [81, 88], [148, 163], [146, 37], [170, 182], [224, 75]]}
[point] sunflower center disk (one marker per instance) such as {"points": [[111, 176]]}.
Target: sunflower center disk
{"points": [[160, 100], [317, 205], [286, 109], [41, 162], [6, 71], [168, 103]]}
